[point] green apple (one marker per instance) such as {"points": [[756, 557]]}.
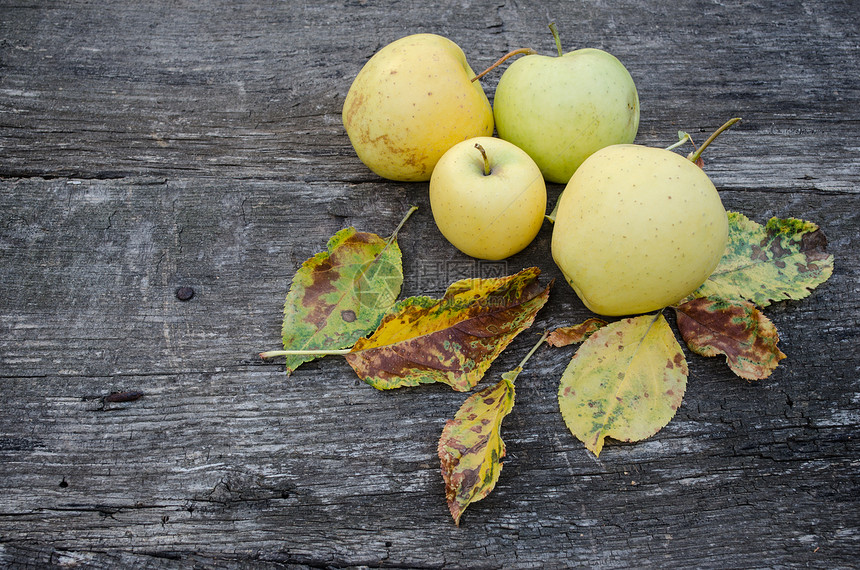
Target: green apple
{"points": [[638, 229], [562, 109], [488, 198], [412, 101]]}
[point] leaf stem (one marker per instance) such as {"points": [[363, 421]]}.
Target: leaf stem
{"points": [[274, 353], [554, 213], [400, 225], [554, 29], [694, 156], [503, 59], [533, 350], [682, 139]]}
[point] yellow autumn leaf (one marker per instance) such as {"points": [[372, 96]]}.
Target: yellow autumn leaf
{"points": [[471, 445], [626, 381], [453, 339]]}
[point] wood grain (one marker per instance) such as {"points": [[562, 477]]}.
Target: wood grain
{"points": [[148, 147]]}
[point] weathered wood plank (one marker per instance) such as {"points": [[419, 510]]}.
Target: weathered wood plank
{"points": [[146, 148], [112, 91]]}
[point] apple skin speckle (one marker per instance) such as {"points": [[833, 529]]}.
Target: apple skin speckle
{"points": [[412, 101], [625, 241]]}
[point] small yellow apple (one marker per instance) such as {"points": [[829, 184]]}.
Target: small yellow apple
{"points": [[488, 198], [638, 229], [411, 102]]}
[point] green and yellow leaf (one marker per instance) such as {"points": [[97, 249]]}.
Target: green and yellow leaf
{"points": [[471, 447], [341, 294], [453, 339], [784, 259], [737, 329], [626, 381]]}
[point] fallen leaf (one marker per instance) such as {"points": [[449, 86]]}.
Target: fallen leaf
{"points": [[565, 336], [471, 446], [737, 329], [626, 381], [341, 294], [453, 339], [785, 259]]}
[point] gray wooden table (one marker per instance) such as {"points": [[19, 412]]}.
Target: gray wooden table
{"points": [[146, 147]]}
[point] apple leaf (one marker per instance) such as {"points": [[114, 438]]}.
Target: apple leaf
{"points": [[737, 329], [565, 336], [339, 295], [453, 339], [784, 259], [471, 446], [626, 381]]}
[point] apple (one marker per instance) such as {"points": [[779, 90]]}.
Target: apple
{"points": [[638, 229], [411, 102], [488, 198], [562, 109]]}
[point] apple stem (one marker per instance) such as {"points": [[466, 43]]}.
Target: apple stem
{"points": [[554, 29], [486, 160], [503, 59], [694, 156]]}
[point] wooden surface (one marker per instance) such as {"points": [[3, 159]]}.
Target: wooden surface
{"points": [[147, 146]]}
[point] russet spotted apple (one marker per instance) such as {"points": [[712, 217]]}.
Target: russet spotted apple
{"points": [[488, 198], [411, 102]]}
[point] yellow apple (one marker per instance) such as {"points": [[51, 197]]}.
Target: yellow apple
{"points": [[638, 229], [411, 102], [488, 198]]}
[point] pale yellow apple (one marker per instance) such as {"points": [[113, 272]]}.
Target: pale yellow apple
{"points": [[411, 102], [638, 229], [488, 215]]}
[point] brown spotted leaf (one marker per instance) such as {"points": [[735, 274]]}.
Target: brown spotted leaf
{"points": [[453, 339], [471, 447], [737, 329], [626, 381], [784, 259], [565, 336], [341, 294]]}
